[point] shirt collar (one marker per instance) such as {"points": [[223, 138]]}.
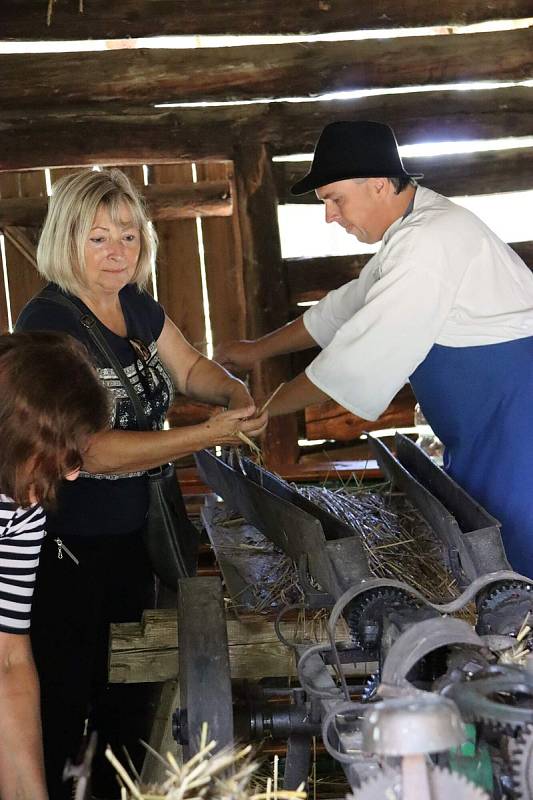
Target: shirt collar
{"points": [[391, 230]]}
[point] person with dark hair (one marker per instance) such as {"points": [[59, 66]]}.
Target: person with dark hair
{"points": [[444, 304], [96, 249], [51, 403]]}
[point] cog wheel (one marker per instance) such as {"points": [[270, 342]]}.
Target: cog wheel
{"points": [[521, 757], [504, 608], [503, 702], [371, 687], [366, 612], [444, 785]]}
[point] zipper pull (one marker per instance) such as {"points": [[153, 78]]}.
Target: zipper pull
{"points": [[62, 546]]}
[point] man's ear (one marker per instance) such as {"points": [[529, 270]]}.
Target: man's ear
{"points": [[379, 185]]}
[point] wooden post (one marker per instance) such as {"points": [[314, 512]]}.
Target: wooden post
{"points": [[267, 300], [179, 279], [23, 279]]}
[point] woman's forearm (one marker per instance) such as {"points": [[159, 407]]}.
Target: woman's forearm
{"points": [[208, 382], [21, 759], [129, 451]]}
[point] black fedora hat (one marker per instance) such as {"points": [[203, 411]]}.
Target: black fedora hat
{"points": [[353, 150]]}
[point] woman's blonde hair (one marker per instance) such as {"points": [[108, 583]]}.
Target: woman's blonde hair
{"points": [[73, 206]]}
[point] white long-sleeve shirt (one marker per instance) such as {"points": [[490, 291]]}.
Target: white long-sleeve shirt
{"points": [[442, 277]]}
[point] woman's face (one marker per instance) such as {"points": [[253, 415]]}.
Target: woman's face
{"points": [[111, 251]]}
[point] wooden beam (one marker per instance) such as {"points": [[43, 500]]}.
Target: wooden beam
{"points": [[126, 134], [311, 278], [329, 420], [23, 280], [303, 69], [26, 20], [179, 273], [451, 175], [223, 265], [23, 243], [165, 202], [265, 287], [148, 651]]}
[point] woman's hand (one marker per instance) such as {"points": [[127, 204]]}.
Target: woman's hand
{"points": [[239, 355], [224, 428]]}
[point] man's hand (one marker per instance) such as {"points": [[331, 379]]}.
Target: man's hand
{"points": [[239, 355]]}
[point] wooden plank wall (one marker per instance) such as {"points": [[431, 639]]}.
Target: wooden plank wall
{"points": [[178, 268]]}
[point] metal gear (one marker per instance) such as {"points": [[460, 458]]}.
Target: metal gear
{"points": [[504, 608], [444, 785], [504, 701], [521, 758], [366, 612], [371, 687]]}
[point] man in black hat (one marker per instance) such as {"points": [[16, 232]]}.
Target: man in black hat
{"points": [[444, 304]]}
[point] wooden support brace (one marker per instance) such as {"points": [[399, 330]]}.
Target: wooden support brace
{"points": [[148, 651]]}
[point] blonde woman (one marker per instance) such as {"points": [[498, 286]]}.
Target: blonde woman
{"points": [[51, 402], [96, 248]]}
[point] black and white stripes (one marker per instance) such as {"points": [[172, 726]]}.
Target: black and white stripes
{"points": [[21, 533]]}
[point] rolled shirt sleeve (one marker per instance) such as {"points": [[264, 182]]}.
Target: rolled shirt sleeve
{"points": [[325, 318], [371, 355]]}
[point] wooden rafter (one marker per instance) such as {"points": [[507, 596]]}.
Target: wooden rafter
{"points": [[259, 71], [459, 174], [122, 134], [25, 20]]}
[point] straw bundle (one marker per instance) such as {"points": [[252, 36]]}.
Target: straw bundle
{"points": [[226, 775]]}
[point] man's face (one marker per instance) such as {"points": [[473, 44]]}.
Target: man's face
{"points": [[355, 205]]}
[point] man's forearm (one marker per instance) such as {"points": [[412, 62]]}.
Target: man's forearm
{"points": [[295, 395], [289, 339], [21, 760]]}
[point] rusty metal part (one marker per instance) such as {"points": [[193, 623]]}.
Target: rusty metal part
{"points": [[503, 701], [470, 535], [366, 613], [504, 608], [421, 639]]}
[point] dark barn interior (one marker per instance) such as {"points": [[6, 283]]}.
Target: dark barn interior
{"points": [[206, 127]]}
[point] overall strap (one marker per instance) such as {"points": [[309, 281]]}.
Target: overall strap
{"points": [[92, 326]]}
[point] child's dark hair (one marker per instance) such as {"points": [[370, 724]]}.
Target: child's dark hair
{"points": [[51, 402]]}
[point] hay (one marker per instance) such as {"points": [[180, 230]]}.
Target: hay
{"points": [[398, 541], [227, 775]]}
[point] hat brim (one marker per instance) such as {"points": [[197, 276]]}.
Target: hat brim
{"points": [[313, 181]]}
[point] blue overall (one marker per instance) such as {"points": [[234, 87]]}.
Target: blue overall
{"points": [[479, 402]]}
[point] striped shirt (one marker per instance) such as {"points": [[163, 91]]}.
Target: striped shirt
{"points": [[22, 531]]}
